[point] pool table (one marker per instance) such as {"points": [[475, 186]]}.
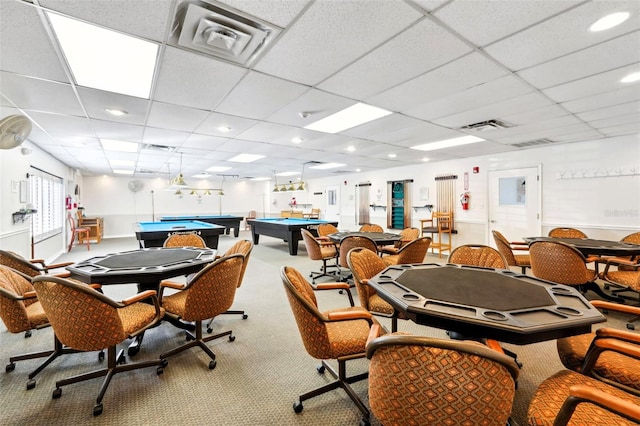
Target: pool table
{"points": [[153, 234], [227, 221], [286, 228]]}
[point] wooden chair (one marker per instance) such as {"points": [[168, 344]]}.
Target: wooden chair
{"points": [[340, 335], [66, 304], [441, 225], [406, 236], [251, 215], [414, 252], [80, 233], [315, 214], [507, 248], [425, 380]]}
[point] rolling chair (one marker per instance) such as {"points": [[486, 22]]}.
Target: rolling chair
{"points": [[507, 248], [406, 236], [478, 255], [371, 227], [414, 252], [184, 239]]}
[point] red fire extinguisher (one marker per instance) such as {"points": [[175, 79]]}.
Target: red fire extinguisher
{"points": [[464, 200], [67, 202]]}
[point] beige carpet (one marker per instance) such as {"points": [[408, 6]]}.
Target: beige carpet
{"points": [[257, 378]]}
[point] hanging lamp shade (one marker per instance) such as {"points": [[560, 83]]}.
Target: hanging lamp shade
{"points": [[207, 192], [300, 186], [275, 188], [291, 187]]}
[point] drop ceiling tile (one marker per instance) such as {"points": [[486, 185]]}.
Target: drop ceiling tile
{"points": [[117, 131], [507, 135], [163, 137], [326, 25], [316, 103], [185, 78], [617, 97], [280, 13], [97, 101], [614, 111], [277, 134], [259, 95], [62, 126], [175, 117], [21, 27], [144, 18], [447, 80], [539, 43], [37, 94], [624, 129], [545, 133], [612, 54], [237, 124], [580, 136], [534, 115], [204, 142], [394, 128], [430, 5], [398, 60]]}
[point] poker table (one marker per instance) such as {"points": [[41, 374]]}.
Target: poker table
{"points": [[380, 238], [588, 246], [288, 229], [486, 303], [229, 222], [145, 267], [153, 234]]}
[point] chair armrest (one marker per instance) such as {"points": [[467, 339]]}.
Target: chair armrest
{"points": [[520, 248], [599, 346], [615, 333], [583, 393], [63, 275], [350, 315], [57, 265], [332, 286], [138, 297], [40, 261], [29, 295], [495, 345], [172, 284], [374, 332], [617, 307]]}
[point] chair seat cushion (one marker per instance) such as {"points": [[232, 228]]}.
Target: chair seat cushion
{"points": [[36, 315], [347, 337], [377, 305], [610, 365], [551, 393], [136, 316], [328, 251], [522, 259], [629, 279]]}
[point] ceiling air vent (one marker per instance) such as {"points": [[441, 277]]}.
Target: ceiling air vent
{"points": [[532, 143], [163, 148], [210, 28], [485, 125]]}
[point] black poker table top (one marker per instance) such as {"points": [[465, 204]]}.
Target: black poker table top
{"points": [[381, 238], [590, 246], [485, 302]]}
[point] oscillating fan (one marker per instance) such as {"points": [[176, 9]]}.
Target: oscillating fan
{"points": [[14, 130], [136, 185]]}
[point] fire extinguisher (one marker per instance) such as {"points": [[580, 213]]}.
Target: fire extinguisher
{"points": [[464, 200], [67, 202]]}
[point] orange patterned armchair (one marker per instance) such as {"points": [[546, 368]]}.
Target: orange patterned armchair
{"points": [[406, 236], [478, 255], [416, 380], [66, 304], [206, 295], [184, 239], [30, 267], [507, 248], [371, 227], [337, 334], [414, 252]]}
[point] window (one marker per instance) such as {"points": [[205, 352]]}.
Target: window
{"points": [[47, 198], [513, 191]]}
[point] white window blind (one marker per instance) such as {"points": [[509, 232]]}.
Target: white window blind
{"points": [[47, 199]]}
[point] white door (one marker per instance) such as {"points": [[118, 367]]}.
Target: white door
{"points": [[332, 208], [514, 203]]}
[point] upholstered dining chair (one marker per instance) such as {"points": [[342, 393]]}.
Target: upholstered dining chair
{"points": [[507, 248], [353, 241], [371, 227], [206, 295], [365, 264], [422, 380], [243, 247], [625, 277], [574, 233], [339, 334], [560, 263], [611, 366], [625, 263], [406, 236], [324, 230], [81, 233], [184, 239], [478, 255], [31, 267], [414, 252], [67, 303]]}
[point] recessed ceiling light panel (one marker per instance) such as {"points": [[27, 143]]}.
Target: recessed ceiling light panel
{"points": [[447, 143], [609, 21], [352, 116], [246, 158]]}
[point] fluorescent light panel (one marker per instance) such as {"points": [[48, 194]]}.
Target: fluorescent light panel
{"points": [[347, 118], [217, 169], [326, 166], [122, 172], [246, 158], [287, 173], [105, 59], [114, 145], [609, 21], [634, 76], [447, 143]]}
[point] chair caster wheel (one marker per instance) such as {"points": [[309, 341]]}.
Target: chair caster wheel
{"points": [[245, 316], [101, 356], [364, 422], [209, 330], [121, 359], [232, 337], [57, 393], [212, 364], [159, 371], [606, 286], [10, 367], [340, 291], [31, 384], [320, 369], [631, 326], [27, 334], [97, 409], [164, 363], [188, 336], [133, 350], [297, 407]]}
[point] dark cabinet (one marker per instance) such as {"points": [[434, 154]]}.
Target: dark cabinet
{"points": [[398, 204]]}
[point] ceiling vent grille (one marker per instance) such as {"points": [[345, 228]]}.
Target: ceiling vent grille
{"points": [[532, 143], [210, 28], [162, 148], [483, 126]]}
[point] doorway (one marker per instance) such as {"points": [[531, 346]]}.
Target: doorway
{"points": [[332, 209]]}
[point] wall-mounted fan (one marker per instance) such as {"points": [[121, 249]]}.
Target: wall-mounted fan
{"points": [[136, 185], [14, 130]]}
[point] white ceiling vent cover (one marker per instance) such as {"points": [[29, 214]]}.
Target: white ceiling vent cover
{"points": [[211, 29], [486, 125]]}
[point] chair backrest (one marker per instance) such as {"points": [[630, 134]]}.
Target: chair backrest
{"points": [[567, 233], [66, 304], [371, 227], [312, 245], [325, 229], [211, 291], [504, 248], [19, 263], [364, 264], [478, 255], [251, 215], [297, 214], [244, 248], [315, 214], [439, 381], [632, 238], [353, 241], [443, 220], [557, 262], [310, 321], [13, 308], [414, 252], [184, 239], [285, 213], [407, 235]]}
